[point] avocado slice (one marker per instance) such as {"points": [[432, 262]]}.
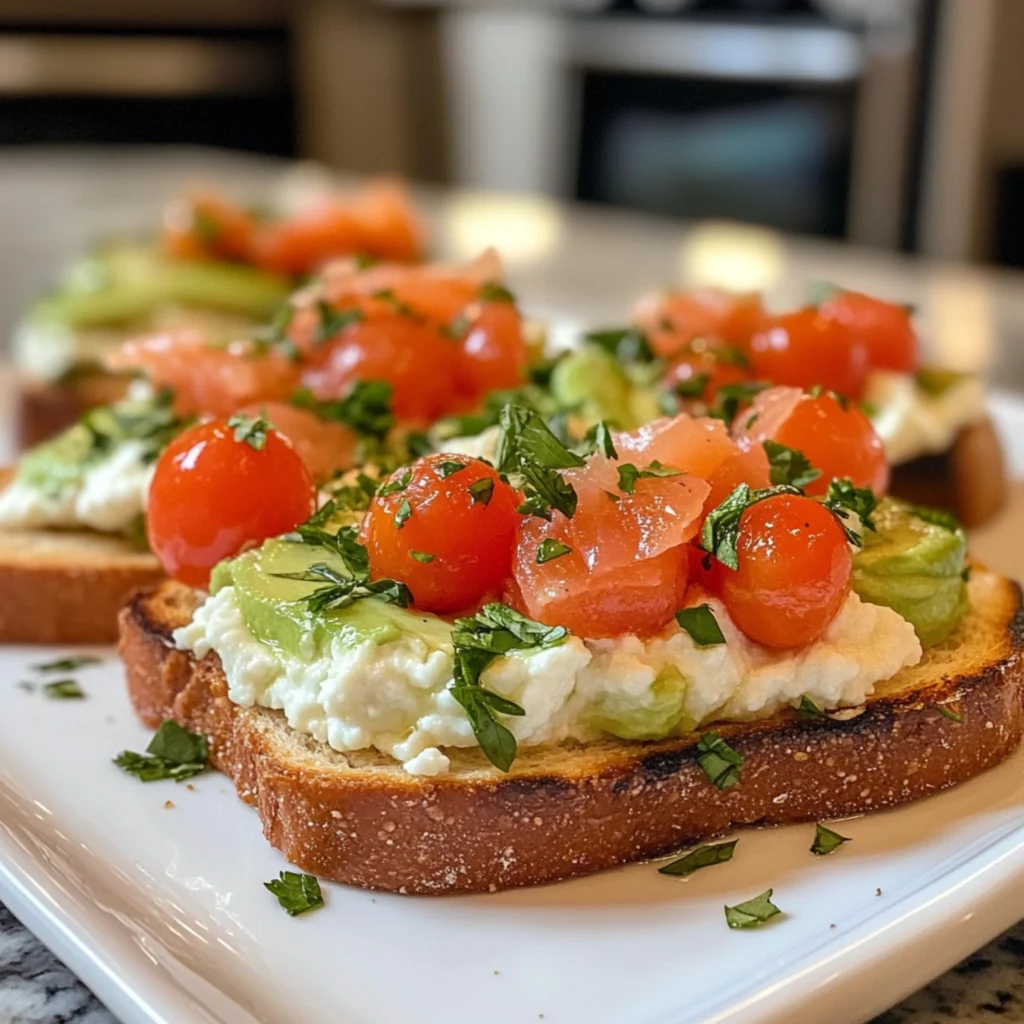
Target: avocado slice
{"points": [[915, 563], [595, 386]]}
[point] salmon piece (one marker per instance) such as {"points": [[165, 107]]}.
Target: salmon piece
{"points": [[671, 320], [748, 466], [207, 379], [770, 409], [695, 445], [323, 445]]}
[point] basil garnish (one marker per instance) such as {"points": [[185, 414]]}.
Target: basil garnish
{"points": [[448, 467], [753, 912], [341, 591], [366, 409], [493, 291], [720, 532], [173, 753], [629, 474], [66, 664], [808, 709], [729, 398], [63, 689], [295, 892], [789, 466], [422, 557], [403, 515], [692, 387], [333, 321], [701, 624], [252, 432], [482, 491], [550, 548], [701, 857], [843, 498], [598, 439], [826, 841], [720, 762]]}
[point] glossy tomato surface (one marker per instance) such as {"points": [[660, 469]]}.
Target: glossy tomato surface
{"points": [[884, 327], [213, 496], [205, 226], [793, 575], [673, 319], [805, 349], [446, 530], [702, 368], [492, 354]]}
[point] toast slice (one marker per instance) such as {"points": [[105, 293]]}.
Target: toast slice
{"points": [[359, 818], [67, 586]]}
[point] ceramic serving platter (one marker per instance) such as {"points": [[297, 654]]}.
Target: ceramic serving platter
{"points": [[153, 894]]}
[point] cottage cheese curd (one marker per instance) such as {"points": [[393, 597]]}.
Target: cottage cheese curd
{"points": [[107, 497], [394, 697]]}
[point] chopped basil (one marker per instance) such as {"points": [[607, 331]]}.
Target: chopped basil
{"points": [[63, 689], [953, 716], [422, 557], [701, 624], [396, 483], [730, 355], [341, 590], [934, 381], [448, 467], [333, 321], [482, 491], [599, 439], [366, 409], [353, 497], [612, 497], [629, 474], [843, 499], [626, 344], [173, 753], [403, 514], [729, 398], [418, 443], [457, 329], [252, 432], [720, 532], [808, 709], [753, 912], [692, 387], [401, 308], [492, 291], [67, 664], [529, 450], [296, 893], [701, 857], [826, 841], [937, 517], [151, 421], [494, 631], [789, 466], [720, 762], [550, 548]]}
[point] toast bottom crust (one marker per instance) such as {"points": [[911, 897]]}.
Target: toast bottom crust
{"points": [[571, 811]]}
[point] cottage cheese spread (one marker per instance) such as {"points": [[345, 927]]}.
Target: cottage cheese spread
{"points": [[394, 697]]}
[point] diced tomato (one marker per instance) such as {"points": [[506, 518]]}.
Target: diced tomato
{"points": [[673, 319], [748, 466], [213, 495], [835, 436], [884, 327], [492, 353], [804, 349], [448, 533], [324, 446], [207, 226], [208, 379], [794, 572]]}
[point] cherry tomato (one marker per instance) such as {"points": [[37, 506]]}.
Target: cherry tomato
{"points": [[885, 328], [793, 575], [714, 363], [300, 244], [205, 226], [837, 438], [213, 496], [748, 466], [493, 352], [673, 319], [448, 533], [804, 349], [412, 357]]}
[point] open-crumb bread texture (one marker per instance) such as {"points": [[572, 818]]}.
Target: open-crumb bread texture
{"points": [[359, 818]]}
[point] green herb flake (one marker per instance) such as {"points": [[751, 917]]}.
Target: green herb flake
{"points": [[937, 517], [826, 841], [333, 321], [789, 466], [721, 764], [701, 857], [625, 344], [395, 484], [295, 892], [366, 409], [808, 709], [720, 533], [753, 912], [953, 716], [549, 549], [403, 514], [340, 590], [173, 753], [844, 500], [448, 467], [629, 474], [422, 557], [252, 432], [482, 491], [67, 664], [63, 689], [598, 439], [730, 397], [612, 496], [493, 291], [692, 387], [701, 624], [205, 225], [934, 381]]}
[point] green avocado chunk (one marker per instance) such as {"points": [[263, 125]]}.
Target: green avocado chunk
{"points": [[914, 563], [274, 608], [124, 282], [592, 383]]}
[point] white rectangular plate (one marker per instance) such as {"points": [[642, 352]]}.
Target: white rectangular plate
{"points": [[153, 894]]}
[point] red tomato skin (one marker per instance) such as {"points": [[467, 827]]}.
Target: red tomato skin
{"points": [[886, 329], [748, 466], [839, 442], [492, 355], [718, 369], [233, 228], [794, 572], [472, 542], [673, 319], [804, 349], [213, 496]]}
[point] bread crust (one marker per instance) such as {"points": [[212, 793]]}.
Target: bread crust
{"points": [[576, 810], [45, 408]]}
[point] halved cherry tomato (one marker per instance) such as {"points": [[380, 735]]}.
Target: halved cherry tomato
{"points": [[205, 226], [447, 534], [748, 466], [492, 354], [709, 363], [804, 349], [836, 437], [412, 357], [213, 495], [793, 575], [673, 319], [885, 328]]}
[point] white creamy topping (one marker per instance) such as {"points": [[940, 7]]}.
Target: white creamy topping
{"points": [[911, 422], [108, 496], [394, 697], [481, 446]]}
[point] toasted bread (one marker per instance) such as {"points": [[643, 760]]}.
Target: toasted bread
{"points": [[46, 408], [66, 586], [359, 818]]}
